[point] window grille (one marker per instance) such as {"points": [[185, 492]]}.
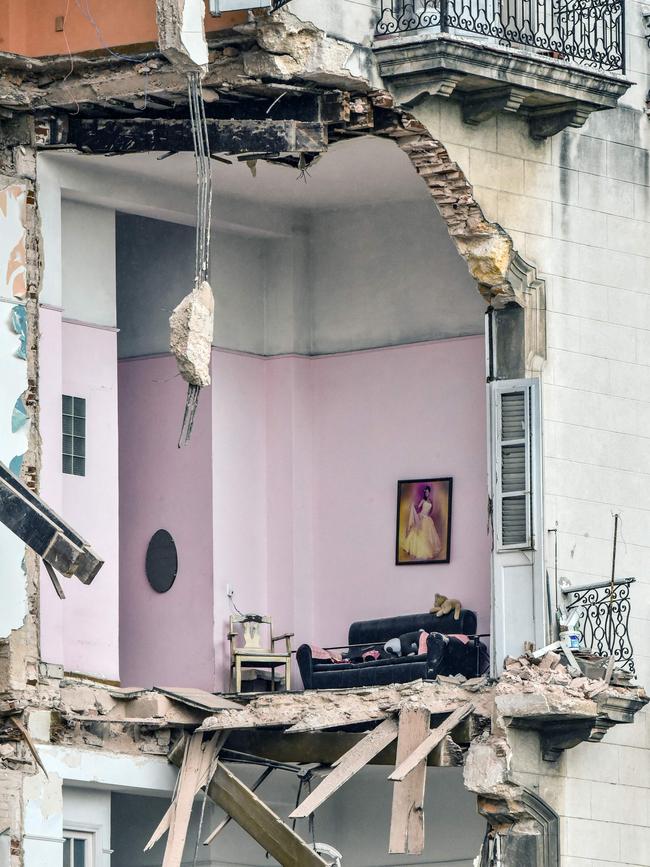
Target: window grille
{"points": [[74, 435]]}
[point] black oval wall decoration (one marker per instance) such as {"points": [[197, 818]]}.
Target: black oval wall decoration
{"points": [[161, 564]]}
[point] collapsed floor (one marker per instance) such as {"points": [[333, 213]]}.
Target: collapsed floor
{"points": [[329, 736]]}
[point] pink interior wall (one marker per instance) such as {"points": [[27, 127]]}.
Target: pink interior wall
{"points": [[305, 454], [239, 463], [165, 639], [379, 416], [338, 433], [90, 502]]}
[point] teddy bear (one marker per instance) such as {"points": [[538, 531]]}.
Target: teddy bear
{"points": [[443, 605]]}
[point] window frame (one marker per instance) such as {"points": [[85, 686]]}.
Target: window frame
{"points": [[530, 440], [90, 838], [74, 417]]}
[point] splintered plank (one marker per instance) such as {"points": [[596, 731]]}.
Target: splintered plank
{"points": [[188, 782], [431, 742], [211, 749], [348, 765], [407, 818], [258, 820]]}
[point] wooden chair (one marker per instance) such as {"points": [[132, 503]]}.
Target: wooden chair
{"points": [[252, 654]]}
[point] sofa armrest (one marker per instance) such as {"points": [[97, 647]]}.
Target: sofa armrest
{"points": [[305, 665]]}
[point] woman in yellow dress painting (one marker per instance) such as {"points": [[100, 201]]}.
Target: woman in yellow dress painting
{"points": [[422, 541]]}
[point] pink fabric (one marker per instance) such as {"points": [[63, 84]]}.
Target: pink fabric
{"points": [[422, 644], [370, 654], [464, 638], [321, 653]]}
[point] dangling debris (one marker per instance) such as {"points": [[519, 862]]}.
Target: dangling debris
{"points": [[192, 321]]}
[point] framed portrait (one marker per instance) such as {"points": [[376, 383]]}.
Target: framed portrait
{"points": [[423, 521]]}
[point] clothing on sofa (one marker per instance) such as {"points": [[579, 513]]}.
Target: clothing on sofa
{"points": [[451, 650]]}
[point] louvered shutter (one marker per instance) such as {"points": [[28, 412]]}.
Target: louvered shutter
{"points": [[515, 424], [219, 6]]}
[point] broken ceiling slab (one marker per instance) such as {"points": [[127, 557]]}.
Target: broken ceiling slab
{"points": [[199, 698]]}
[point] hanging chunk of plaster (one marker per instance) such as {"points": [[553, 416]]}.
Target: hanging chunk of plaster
{"points": [[191, 328]]}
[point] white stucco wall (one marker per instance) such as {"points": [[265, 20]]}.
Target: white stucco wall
{"points": [[88, 262], [338, 281], [578, 208]]}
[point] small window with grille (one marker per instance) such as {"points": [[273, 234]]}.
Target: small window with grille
{"points": [[74, 435]]}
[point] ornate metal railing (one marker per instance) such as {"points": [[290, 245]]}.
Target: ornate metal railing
{"points": [[604, 619], [587, 32]]}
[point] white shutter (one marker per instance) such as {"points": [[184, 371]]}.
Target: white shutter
{"points": [[219, 6], [515, 420]]}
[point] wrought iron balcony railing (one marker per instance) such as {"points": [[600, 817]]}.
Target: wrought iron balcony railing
{"points": [[586, 32], [604, 618]]}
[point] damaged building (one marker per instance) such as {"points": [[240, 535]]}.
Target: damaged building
{"points": [[325, 393]]}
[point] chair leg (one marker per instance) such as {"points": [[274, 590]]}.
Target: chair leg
{"points": [[238, 676], [287, 676]]}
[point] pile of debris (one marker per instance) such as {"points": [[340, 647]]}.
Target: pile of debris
{"points": [[529, 674]]}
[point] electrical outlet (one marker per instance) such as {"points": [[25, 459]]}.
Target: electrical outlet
{"points": [[230, 591]]}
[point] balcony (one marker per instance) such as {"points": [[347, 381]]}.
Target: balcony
{"points": [[553, 62]]}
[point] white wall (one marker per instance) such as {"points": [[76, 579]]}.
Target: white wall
{"points": [[90, 810], [387, 274], [578, 208], [88, 262], [341, 281]]}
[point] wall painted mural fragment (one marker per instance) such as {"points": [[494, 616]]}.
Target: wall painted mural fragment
{"points": [[12, 241], [19, 325], [14, 427]]}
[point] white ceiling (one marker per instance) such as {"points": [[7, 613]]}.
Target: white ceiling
{"points": [[359, 171]]}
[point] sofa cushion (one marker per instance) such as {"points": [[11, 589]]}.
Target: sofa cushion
{"points": [[372, 663], [335, 677], [383, 629]]}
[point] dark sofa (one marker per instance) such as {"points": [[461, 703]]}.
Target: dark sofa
{"points": [[469, 659]]}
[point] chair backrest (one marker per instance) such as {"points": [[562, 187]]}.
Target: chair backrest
{"points": [[250, 632], [379, 631]]}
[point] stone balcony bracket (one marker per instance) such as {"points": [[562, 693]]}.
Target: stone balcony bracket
{"points": [[488, 78]]}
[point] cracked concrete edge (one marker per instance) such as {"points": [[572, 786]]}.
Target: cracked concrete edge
{"points": [[485, 246]]}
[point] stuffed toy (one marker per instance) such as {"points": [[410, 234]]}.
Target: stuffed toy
{"points": [[442, 605], [408, 644]]}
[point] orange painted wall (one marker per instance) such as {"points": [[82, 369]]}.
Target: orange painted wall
{"points": [[28, 26]]}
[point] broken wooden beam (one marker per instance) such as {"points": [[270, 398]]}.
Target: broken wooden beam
{"points": [[252, 814], [225, 822], [437, 735], [133, 135], [258, 820], [407, 816], [196, 756], [348, 765], [211, 750], [44, 531]]}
